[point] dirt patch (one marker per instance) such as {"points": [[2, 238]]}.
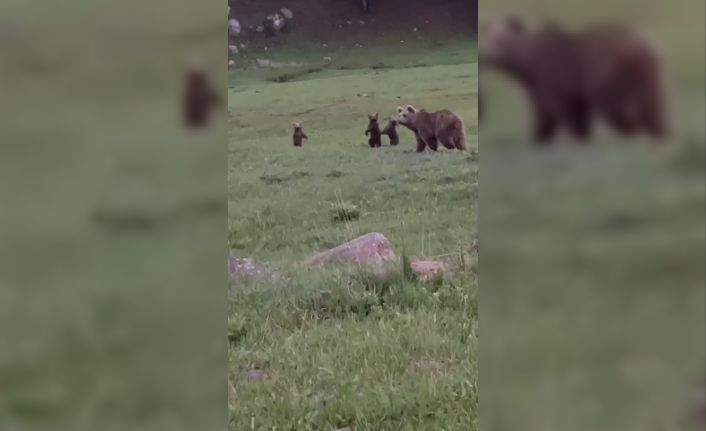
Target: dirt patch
{"points": [[341, 20]]}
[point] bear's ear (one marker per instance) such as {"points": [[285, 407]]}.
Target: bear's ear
{"points": [[375, 116], [411, 109], [400, 109]]}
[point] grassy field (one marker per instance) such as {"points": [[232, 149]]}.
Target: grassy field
{"points": [[112, 274], [599, 323], [334, 348]]}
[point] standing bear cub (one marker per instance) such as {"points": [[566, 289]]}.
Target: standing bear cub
{"points": [[433, 128], [373, 130], [391, 131], [298, 136], [570, 76]]}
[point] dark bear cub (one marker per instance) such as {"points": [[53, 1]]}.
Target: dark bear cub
{"points": [[373, 130], [199, 98], [391, 131], [299, 135]]}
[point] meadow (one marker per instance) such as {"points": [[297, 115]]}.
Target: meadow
{"points": [[112, 272], [340, 347]]}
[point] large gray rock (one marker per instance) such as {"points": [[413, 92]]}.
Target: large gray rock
{"points": [[369, 249]]}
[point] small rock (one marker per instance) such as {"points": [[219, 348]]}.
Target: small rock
{"points": [[259, 29], [369, 249], [428, 367], [362, 22], [246, 269], [242, 46], [232, 49], [262, 63], [287, 13], [327, 59], [428, 269], [414, 29], [277, 21], [325, 45], [256, 374], [231, 63], [233, 27]]}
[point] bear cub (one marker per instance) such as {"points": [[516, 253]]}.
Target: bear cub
{"points": [[391, 131], [374, 131], [299, 136]]}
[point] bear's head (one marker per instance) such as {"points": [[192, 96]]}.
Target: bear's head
{"points": [[373, 119], [503, 41], [406, 115], [297, 126]]}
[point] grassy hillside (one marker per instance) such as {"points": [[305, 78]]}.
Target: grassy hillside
{"points": [[334, 348]]}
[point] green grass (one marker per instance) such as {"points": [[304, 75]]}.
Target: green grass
{"points": [[593, 257], [339, 347], [112, 302]]}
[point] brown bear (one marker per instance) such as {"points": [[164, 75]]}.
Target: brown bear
{"points": [[199, 98], [604, 70], [432, 128], [391, 131], [373, 130], [298, 136]]}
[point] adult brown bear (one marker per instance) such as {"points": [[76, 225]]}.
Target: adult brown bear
{"points": [[433, 128], [605, 70]]}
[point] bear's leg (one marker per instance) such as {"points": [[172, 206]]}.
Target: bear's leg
{"points": [[446, 139], [620, 116], [421, 146], [459, 142], [432, 142], [619, 101], [578, 117], [651, 112], [545, 127], [545, 116]]}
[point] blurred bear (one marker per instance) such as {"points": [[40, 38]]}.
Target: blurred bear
{"points": [[605, 70], [199, 98]]}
